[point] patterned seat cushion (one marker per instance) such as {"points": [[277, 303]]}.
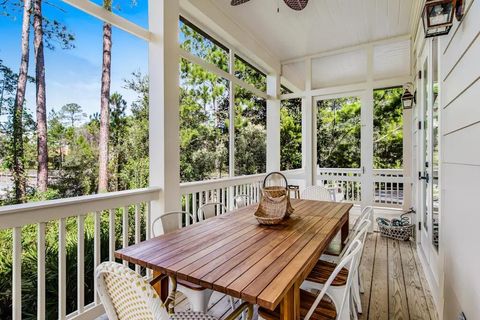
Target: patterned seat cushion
{"points": [[190, 315]]}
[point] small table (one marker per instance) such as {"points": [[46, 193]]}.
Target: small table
{"points": [[233, 254]]}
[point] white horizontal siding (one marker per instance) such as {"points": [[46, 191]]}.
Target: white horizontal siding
{"points": [[460, 67], [467, 104]]}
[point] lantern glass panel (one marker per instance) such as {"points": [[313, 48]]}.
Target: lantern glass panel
{"points": [[440, 14]]}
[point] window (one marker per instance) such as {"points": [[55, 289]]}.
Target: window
{"points": [[338, 133], [250, 132], [251, 75], [205, 110], [291, 134], [200, 44], [388, 129], [204, 122]]}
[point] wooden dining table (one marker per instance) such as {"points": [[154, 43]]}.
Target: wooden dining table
{"points": [[235, 255]]}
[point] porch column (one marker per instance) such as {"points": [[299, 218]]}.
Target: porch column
{"points": [[164, 105], [367, 136], [309, 132], [273, 123], [407, 159]]}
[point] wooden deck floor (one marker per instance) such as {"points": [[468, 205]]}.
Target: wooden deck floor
{"points": [[395, 286]]}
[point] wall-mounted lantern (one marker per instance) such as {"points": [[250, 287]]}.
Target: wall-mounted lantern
{"points": [[438, 16], [408, 99]]}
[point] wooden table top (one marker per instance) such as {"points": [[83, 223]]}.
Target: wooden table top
{"points": [[235, 255]]}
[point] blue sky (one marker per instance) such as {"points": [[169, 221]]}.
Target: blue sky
{"points": [[74, 75]]}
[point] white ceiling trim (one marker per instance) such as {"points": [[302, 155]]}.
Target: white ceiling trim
{"points": [[348, 49]]}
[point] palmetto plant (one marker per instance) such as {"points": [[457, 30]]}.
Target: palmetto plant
{"points": [[29, 266]]}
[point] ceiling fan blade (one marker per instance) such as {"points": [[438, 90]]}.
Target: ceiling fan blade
{"points": [[237, 2], [296, 4]]}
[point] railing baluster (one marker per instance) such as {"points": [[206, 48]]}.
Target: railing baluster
{"points": [[80, 262], [148, 219], [41, 271], [17, 274], [194, 207], [111, 234], [187, 208], [62, 269], [125, 230], [137, 230], [96, 248]]}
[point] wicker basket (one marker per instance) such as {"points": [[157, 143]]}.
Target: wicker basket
{"points": [[275, 203], [404, 232]]}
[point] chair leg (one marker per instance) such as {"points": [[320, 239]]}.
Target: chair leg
{"points": [[356, 296], [353, 309], [360, 283], [345, 313]]}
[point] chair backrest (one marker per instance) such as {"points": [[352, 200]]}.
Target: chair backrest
{"points": [[210, 210], [317, 193], [127, 295], [358, 233], [242, 200], [350, 262], [361, 236], [171, 221]]}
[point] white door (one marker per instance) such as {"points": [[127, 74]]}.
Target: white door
{"points": [[428, 154]]}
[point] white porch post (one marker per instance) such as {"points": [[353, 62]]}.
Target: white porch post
{"points": [[309, 156], [407, 159], [273, 123], [367, 136], [164, 105]]}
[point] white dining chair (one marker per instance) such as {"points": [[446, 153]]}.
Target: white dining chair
{"points": [[210, 210], [196, 295], [126, 295], [317, 277], [318, 193], [317, 306], [242, 200]]}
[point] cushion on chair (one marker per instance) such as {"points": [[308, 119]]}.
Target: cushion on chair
{"points": [[324, 311], [191, 315], [322, 271]]}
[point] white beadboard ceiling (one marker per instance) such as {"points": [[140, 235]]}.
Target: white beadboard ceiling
{"points": [[324, 25]]}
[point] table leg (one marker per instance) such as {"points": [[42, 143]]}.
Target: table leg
{"points": [[290, 305], [161, 286], [345, 231]]}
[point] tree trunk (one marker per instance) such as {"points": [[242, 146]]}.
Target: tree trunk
{"points": [[104, 105], [42, 149], [18, 152]]}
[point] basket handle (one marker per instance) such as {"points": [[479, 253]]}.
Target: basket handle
{"points": [[272, 173]]}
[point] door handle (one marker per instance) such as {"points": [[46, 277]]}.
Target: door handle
{"points": [[426, 177]]}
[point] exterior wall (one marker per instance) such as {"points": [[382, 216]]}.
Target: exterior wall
{"points": [[460, 129]]}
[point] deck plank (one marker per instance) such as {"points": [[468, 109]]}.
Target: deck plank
{"points": [[397, 302], [417, 304], [426, 288], [378, 309], [366, 272]]}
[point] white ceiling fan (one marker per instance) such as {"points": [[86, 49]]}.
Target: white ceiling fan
{"points": [[293, 4]]}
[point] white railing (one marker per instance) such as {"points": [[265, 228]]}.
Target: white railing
{"points": [[109, 221], [195, 194], [349, 180], [387, 184], [388, 187]]}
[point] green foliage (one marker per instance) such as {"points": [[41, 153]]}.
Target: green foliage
{"points": [[338, 133], [388, 129], [291, 134]]}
